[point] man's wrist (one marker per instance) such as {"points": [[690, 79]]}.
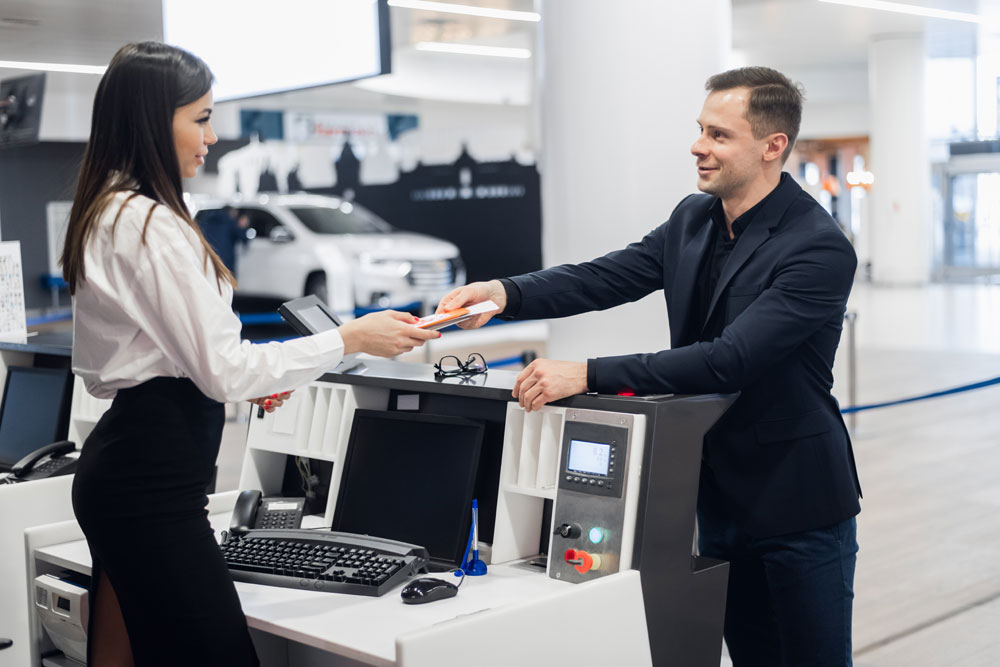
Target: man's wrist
{"points": [[512, 298]]}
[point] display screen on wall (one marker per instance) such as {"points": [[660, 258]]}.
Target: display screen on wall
{"points": [[258, 47]]}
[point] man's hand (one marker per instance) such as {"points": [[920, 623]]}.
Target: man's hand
{"points": [[273, 401], [474, 293], [545, 380], [385, 333]]}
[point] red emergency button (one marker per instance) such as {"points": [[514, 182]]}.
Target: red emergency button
{"points": [[582, 561]]}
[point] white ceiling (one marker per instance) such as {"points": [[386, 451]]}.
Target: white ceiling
{"points": [[88, 32], [786, 34], [81, 32], [797, 34]]}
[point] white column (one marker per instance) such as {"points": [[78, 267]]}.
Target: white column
{"points": [[621, 85], [900, 225]]}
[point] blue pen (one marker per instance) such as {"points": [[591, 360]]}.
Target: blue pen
{"points": [[475, 530], [474, 566]]}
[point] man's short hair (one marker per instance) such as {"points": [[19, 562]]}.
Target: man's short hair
{"points": [[775, 103]]}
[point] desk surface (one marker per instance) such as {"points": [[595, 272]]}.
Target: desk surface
{"points": [[360, 627], [58, 343]]}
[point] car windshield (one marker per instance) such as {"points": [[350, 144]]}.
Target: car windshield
{"points": [[348, 219]]}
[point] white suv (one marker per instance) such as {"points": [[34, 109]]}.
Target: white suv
{"points": [[338, 250]]}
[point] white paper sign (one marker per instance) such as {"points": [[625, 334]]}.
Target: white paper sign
{"points": [[12, 322]]}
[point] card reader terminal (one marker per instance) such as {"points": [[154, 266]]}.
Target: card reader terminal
{"points": [[589, 512]]}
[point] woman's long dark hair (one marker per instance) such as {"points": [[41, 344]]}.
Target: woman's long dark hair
{"points": [[131, 145]]}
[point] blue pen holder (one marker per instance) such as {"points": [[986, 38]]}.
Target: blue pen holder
{"points": [[474, 567], [471, 564]]}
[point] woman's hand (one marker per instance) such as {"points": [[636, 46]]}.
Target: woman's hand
{"points": [[384, 334], [273, 401]]}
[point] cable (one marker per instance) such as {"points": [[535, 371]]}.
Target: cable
{"points": [[304, 467], [457, 571]]}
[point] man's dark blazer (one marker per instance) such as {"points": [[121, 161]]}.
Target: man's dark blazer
{"points": [[780, 460]]}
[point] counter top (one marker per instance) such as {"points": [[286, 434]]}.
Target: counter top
{"points": [[58, 343]]}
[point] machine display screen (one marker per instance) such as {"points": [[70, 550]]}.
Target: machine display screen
{"points": [[282, 506], [316, 319], [589, 457]]}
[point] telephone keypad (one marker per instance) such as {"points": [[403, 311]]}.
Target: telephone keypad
{"points": [[279, 519]]}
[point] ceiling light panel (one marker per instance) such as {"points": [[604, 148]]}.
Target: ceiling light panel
{"points": [[53, 67], [473, 49], [467, 10], [913, 10]]}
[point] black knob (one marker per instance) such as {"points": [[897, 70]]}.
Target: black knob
{"points": [[570, 531]]}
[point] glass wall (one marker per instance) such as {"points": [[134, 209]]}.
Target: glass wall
{"points": [[962, 115]]}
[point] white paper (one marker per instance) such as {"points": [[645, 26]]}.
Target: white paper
{"points": [[12, 323], [434, 322]]}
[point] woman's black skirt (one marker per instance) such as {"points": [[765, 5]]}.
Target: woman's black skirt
{"points": [[139, 495]]}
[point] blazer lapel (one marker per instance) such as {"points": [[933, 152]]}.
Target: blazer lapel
{"points": [[687, 273], [760, 230]]}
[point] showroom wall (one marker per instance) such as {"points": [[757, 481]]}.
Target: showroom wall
{"points": [[497, 120], [34, 175]]}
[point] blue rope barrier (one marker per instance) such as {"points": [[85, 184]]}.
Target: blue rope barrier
{"points": [[506, 361], [47, 319], [260, 318], [274, 318], [922, 397]]}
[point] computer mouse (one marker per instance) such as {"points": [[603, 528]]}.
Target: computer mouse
{"points": [[427, 589]]}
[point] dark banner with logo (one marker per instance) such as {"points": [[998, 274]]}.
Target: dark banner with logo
{"points": [[491, 210]]}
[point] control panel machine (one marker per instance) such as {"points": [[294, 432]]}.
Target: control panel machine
{"points": [[593, 518]]}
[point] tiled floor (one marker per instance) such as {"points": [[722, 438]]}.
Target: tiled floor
{"points": [[928, 576], [928, 579]]}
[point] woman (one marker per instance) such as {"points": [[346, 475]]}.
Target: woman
{"points": [[153, 327]]}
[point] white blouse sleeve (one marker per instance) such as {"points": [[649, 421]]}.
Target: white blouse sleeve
{"points": [[184, 314]]}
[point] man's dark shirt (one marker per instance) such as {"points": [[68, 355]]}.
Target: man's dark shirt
{"points": [[715, 260]]}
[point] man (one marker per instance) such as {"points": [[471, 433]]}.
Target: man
{"points": [[224, 229], [756, 277]]}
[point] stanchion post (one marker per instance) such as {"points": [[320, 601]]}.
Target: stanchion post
{"points": [[852, 369]]}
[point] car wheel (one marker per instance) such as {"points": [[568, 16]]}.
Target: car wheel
{"points": [[317, 285]]}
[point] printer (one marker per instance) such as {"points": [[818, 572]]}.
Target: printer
{"points": [[62, 608]]}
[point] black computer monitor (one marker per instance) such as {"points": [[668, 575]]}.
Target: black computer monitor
{"points": [[21, 109], [410, 477], [34, 411]]}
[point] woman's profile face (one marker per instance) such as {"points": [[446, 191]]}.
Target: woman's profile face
{"points": [[193, 134]]}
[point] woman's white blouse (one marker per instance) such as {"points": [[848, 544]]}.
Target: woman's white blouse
{"points": [[155, 309]]}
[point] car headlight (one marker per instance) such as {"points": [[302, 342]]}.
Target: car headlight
{"points": [[386, 267]]}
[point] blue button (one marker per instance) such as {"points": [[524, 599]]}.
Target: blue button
{"points": [[596, 535]]}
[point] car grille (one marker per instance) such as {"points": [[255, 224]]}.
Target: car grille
{"points": [[433, 274]]}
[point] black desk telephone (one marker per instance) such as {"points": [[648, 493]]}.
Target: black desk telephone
{"points": [[47, 461], [254, 511]]}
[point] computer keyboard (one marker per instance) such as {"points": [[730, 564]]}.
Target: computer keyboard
{"points": [[322, 560]]}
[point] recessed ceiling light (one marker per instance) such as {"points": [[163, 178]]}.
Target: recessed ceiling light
{"points": [[451, 8], [53, 67], [903, 8], [13, 20], [473, 49]]}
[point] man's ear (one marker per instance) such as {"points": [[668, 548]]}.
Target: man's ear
{"points": [[775, 147]]}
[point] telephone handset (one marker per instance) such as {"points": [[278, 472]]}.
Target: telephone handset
{"points": [[254, 511], [47, 461]]}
